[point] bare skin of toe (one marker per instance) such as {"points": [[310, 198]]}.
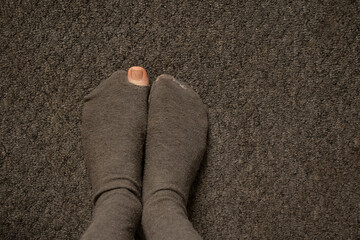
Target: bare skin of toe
{"points": [[138, 76]]}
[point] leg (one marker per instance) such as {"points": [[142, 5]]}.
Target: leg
{"points": [[175, 144], [113, 132]]}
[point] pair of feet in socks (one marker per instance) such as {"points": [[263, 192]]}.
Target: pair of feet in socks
{"points": [[122, 117]]}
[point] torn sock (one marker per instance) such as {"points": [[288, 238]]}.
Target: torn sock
{"points": [[175, 145], [113, 133]]}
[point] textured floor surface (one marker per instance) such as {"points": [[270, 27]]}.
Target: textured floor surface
{"points": [[281, 80]]}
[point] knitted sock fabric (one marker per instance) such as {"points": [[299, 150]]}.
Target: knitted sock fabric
{"points": [[175, 144], [113, 133]]}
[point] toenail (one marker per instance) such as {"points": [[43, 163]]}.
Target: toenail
{"points": [[136, 74]]}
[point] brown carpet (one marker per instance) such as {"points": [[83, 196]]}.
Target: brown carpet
{"points": [[281, 80]]}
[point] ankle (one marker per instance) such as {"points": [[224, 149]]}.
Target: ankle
{"points": [[120, 198], [163, 202], [165, 216]]}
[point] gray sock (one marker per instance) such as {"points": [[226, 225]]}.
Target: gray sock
{"points": [[175, 144], [113, 132]]}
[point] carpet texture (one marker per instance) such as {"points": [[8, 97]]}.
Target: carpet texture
{"points": [[281, 80]]}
